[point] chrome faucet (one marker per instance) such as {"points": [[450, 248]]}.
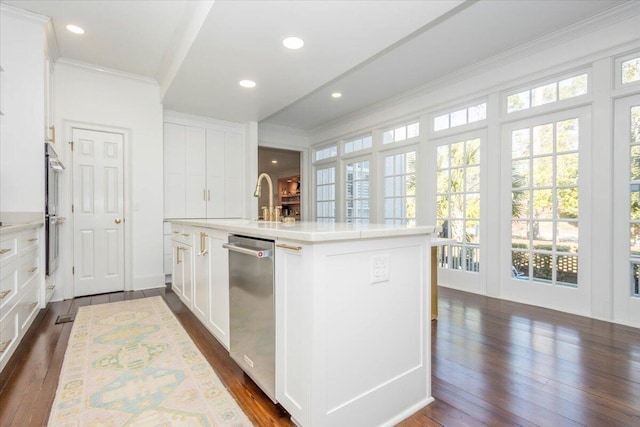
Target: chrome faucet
{"points": [[258, 192]]}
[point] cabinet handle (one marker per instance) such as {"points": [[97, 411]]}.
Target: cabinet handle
{"points": [[5, 293], [209, 195], [185, 234], [32, 305], [176, 232], [33, 239], [51, 287], [203, 250], [4, 345], [293, 248], [4, 251], [204, 195], [178, 254], [33, 269]]}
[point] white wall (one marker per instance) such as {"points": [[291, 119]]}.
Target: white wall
{"points": [[130, 104], [22, 103]]}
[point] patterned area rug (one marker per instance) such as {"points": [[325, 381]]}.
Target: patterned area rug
{"points": [[131, 363]]}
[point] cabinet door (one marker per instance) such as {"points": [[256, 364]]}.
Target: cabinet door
{"points": [[218, 320], [187, 275], [215, 173], [201, 278], [234, 196], [177, 275], [196, 195], [174, 171]]}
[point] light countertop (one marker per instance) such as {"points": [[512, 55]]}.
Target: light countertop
{"points": [[306, 231], [18, 221]]}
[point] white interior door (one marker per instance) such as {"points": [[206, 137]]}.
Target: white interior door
{"points": [[98, 199]]}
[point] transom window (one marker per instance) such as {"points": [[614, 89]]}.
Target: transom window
{"points": [[460, 117], [357, 192], [357, 144], [326, 194], [326, 152], [548, 93], [544, 194], [458, 204], [631, 70], [400, 188], [401, 133]]}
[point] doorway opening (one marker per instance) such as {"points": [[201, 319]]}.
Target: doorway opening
{"points": [[283, 167]]}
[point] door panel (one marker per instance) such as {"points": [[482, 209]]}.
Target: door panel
{"points": [[98, 183]]}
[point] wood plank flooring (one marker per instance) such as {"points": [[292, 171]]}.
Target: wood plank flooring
{"points": [[495, 363]]}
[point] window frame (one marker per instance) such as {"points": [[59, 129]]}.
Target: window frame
{"points": [[392, 150], [617, 71], [372, 187]]}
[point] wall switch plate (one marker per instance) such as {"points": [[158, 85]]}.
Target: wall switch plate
{"points": [[379, 268]]}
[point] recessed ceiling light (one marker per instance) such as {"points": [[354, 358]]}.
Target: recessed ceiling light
{"points": [[274, 161], [336, 95], [293, 42], [75, 29], [247, 83]]}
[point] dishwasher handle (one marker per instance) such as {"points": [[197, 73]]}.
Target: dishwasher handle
{"points": [[259, 253]]}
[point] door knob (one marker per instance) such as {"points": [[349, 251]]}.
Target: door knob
{"points": [[118, 220]]}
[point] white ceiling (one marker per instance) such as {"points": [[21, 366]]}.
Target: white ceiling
{"points": [[368, 50]]}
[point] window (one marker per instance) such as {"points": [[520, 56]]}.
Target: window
{"points": [[458, 203], [634, 217], [460, 117], [631, 70], [544, 195], [357, 144], [401, 133], [357, 192], [326, 194], [548, 93], [400, 188], [326, 152]]}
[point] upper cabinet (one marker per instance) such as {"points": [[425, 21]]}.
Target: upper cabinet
{"points": [[204, 169]]}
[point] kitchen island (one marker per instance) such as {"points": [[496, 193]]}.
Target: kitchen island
{"points": [[352, 315]]}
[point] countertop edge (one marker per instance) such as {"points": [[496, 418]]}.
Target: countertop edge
{"points": [[287, 232]]}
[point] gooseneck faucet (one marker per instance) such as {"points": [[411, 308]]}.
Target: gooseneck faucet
{"points": [[258, 192]]}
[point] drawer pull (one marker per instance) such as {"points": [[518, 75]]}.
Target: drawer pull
{"points": [[33, 305], [4, 345], [51, 287], [3, 294], [33, 239], [176, 232], [4, 251], [185, 234], [33, 269], [293, 248]]}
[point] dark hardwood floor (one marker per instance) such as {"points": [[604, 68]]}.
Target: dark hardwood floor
{"points": [[495, 363]]}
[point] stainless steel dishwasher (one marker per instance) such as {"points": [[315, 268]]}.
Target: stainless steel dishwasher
{"points": [[252, 310]]}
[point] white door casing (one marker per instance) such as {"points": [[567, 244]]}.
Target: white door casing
{"points": [[98, 201]]}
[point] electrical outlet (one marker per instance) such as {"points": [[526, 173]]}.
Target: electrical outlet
{"points": [[379, 268]]}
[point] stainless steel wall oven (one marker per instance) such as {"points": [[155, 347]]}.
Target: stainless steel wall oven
{"points": [[53, 167]]}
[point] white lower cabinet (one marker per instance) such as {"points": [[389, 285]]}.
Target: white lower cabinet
{"points": [[211, 299], [21, 280], [201, 276], [182, 273]]}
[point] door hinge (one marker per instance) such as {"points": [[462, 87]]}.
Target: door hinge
{"points": [[73, 270], [71, 143]]}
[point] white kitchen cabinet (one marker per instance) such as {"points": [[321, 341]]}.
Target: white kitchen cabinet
{"points": [[182, 276], [203, 171], [21, 277], [211, 282]]}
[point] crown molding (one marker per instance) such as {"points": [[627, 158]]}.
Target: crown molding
{"points": [[172, 116], [591, 25], [23, 14], [106, 71]]}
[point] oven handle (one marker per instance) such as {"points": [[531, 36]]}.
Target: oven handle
{"points": [[262, 253]]}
